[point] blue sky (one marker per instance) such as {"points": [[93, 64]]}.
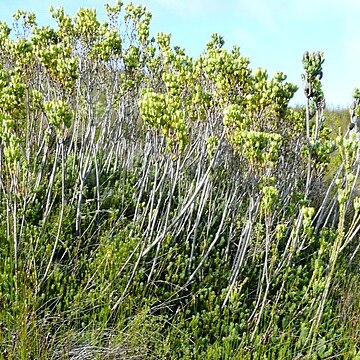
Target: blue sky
{"points": [[273, 34]]}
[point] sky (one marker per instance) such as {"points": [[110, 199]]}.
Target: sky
{"points": [[272, 34]]}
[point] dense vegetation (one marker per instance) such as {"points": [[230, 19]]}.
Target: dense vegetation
{"points": [[155, 205]]}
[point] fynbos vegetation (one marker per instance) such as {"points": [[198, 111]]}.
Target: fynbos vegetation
{"points": [[155, 205]]}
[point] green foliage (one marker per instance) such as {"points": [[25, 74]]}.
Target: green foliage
{"points": [[159, 205]]}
